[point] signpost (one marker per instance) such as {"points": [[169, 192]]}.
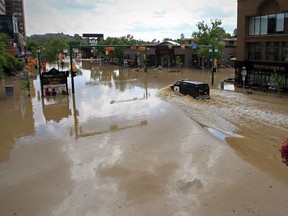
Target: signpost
{"points": [[54, 79]]}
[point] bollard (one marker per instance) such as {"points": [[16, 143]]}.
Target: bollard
{"points": [[222, 84]]}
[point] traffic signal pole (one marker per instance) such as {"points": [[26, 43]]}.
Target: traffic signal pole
{"points": [[194, 46], [212, 78]]}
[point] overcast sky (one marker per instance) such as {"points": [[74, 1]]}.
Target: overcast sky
{"points": [[144, 19]]}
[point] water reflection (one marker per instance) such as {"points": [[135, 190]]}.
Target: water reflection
{"points": [[113, 128], [16, 118], [229, 86], [56, 108]]}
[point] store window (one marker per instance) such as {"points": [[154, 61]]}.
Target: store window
{"points": [[268, 51], [268, 24]]}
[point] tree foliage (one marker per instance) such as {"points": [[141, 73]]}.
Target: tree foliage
{"points": [[55, 44], [119, 51], [27, 83], [179, 63], [278, 81], [234, 33], [210, 35], [8, 62], [53, 47]]}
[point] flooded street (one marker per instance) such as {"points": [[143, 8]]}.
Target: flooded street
{"points": [[125, 144]]}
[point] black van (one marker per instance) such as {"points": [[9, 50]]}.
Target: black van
{"points": [[195, 89]]}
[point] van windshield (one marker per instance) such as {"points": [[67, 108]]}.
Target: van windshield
{"points": [[204, 87]]}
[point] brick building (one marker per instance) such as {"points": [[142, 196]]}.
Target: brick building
{"points": [[262, 41], [16, 8], [12, 22], [2, 7]]}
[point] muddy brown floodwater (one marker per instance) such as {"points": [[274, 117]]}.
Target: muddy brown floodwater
{"points": [[125, 144]]}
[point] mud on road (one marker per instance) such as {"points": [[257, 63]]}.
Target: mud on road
{"points": [[253, 125], [227, 110]]}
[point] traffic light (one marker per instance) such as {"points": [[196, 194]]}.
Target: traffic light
{"points": [[215, 63], [73, 66], [44, 66]]}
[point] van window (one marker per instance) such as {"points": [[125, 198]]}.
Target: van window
{"points": [[203, 87]]}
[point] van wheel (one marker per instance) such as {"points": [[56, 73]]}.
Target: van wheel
{"points": [[176, 89]]}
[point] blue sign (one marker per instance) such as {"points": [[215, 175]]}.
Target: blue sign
{"points": [[194, 46]]}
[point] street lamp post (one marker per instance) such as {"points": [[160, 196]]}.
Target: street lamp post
{"points": [[213, 51]]}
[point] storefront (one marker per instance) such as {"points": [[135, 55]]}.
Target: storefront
{"points": [[262, 43]]}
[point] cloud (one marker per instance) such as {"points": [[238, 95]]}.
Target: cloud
{"points": [[159, 13], [146, 20]]}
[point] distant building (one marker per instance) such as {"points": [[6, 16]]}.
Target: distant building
{"points": [[262, 41], [16, 8], [12, 22], [163, 54], [16, 44]]}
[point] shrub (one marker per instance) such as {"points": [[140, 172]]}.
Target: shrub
{"points": [[284, 152]]}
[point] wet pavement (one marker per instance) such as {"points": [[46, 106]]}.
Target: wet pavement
{"points": [[125, 144]]}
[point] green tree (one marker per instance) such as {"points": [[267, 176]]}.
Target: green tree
{"points": [[27, 83], [52, 47], [119, 51], [234, 33], [155, 41], [8, 63], [168, 39], [32, 46], [179, 63], [3, 60], [278, 81], [210, 35]]}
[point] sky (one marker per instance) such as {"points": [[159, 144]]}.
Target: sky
{"points": [[143, 19]]}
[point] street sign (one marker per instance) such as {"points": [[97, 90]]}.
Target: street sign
{"points": [[244, 71], [194, 46], [93, 35]]}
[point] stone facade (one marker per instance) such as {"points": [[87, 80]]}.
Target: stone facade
{"points": [[262, 42]]}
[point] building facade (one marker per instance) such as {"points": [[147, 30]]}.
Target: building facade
{"points": [[262, 42], [16, 8], [12, 22], [2, 7], [229, 52], [163, 55]]}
